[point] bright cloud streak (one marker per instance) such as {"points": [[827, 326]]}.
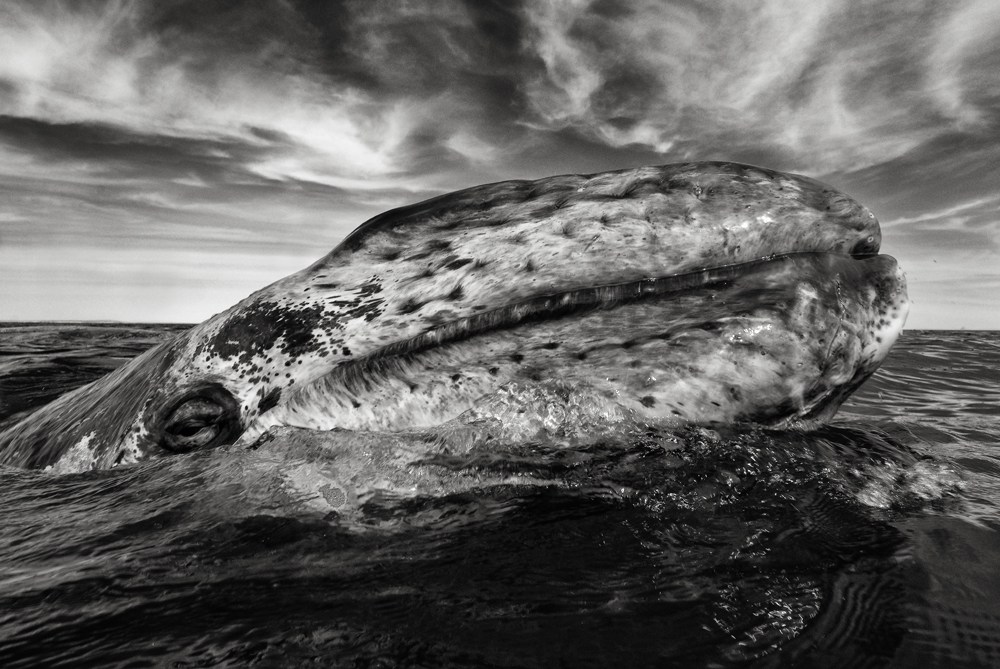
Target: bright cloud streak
{"points": [[95, 66]]}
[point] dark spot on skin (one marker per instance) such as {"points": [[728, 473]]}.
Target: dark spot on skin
{"points": [[605, 220], [456, 293], [419, 256], [456, 377], [635, 363], [391, 254], [410, 306], [516, 357], [356, 404], [629, 190], [628, 344], [449, 223], [582, 355], [504, 219], [672, 182], [346, 351], [494, 371], [326, 286], [269, 401], [479, 264], [550, 345], [438, 244], [288, 329], [461, 262], [786, 406], [529, 266], [648, 401]]}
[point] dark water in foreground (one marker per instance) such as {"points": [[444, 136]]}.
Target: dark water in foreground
{"points": [[872, 542]]}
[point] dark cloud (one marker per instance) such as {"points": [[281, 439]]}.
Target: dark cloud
{"points": [[112, 148]]}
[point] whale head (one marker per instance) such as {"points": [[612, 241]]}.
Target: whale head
{"points": [[696, 292]]}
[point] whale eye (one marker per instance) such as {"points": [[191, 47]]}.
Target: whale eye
{"points": [[202, 419]]}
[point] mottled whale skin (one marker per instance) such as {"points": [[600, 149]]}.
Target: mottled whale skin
{"points": [[697, 292]]}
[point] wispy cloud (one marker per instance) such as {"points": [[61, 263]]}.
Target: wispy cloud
{"points": [[121, 64], [975, 212], [246, 128], [831, 84], [962, 63]]}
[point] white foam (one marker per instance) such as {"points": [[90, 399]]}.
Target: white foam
{"points": [[79, 458]]}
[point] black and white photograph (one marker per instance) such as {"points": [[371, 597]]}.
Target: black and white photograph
{"points": [[500, 333]]}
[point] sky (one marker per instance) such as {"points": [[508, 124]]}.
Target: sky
{"points": [[162, 159]]}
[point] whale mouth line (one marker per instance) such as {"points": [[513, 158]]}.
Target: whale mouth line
{"points": [[562, 304]]}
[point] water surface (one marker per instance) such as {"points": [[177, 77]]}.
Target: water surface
{"points": [[871, 542]]}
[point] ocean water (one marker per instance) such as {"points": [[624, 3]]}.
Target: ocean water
{"points": [[871, 542]]}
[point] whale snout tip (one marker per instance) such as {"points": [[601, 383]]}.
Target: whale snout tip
{"points": [[861, 235]]}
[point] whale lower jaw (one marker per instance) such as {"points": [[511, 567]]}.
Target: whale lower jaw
{"points": [[779, 340]]}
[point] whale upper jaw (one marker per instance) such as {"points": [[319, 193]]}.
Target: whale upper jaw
{"points": [[415, 270]]}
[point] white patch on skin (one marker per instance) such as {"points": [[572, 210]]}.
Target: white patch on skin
{"points": [[751, 332], [79, 458]]}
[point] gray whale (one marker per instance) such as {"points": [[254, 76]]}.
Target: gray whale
{"points": [[706, 293]]}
